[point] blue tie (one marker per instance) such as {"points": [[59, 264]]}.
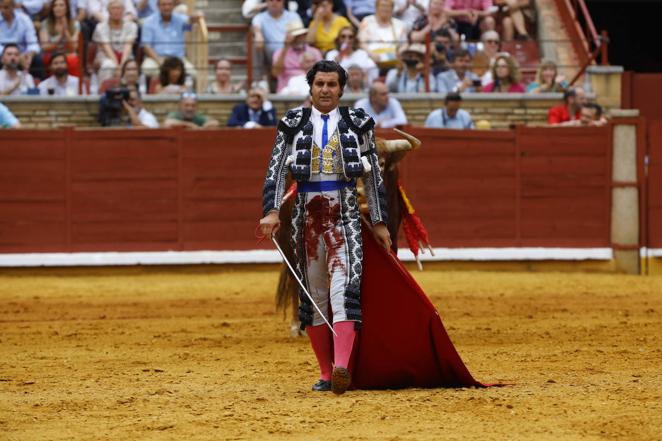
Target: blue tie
{"points": [[325, 130]]}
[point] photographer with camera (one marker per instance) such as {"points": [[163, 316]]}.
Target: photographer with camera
{"points": [[459, 79], [122, 107]]}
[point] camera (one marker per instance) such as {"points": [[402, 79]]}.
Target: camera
{"points": [[110, 107]]}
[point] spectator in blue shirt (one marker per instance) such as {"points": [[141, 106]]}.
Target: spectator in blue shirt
{"points": [[163, 36], [16, 27], [452, 117], [385, 110], [459, 78], [7, 119]]}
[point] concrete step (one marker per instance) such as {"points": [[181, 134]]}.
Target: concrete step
{"points": [[227, 40]]}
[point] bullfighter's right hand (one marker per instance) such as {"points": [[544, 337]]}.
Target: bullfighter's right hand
{"points": [[270, 223]]}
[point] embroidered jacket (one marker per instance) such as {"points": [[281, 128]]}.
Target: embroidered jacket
{"points": [[292, 152]]}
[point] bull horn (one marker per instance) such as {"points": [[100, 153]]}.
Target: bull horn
{"points": [[396, 145], [415, 142]]}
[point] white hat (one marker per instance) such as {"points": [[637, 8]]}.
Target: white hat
{"points": [[295, 28]]}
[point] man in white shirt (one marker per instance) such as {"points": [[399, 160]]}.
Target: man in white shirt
{"points": [[138, 116], [327, 148], [12, 80], [385, 110], [60, 83]]}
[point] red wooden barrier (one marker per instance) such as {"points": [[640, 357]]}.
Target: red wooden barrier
{"points": [[654, 187], [152, 190]]}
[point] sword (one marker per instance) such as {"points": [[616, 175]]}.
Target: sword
{"points": [[273, 238]]}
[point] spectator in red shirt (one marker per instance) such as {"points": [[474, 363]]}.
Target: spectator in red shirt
{"points": [[506, 76], [569, 111]]}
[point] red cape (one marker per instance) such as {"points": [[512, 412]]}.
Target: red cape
{"points": [[402, 342]]}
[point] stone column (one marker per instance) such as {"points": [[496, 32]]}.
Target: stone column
{"points": [[625, 193], [605, 83]]}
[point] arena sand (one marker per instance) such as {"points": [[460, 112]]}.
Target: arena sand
{"points": [[200, 354]]}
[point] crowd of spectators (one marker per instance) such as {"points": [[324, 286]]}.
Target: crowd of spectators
{"points": [[138, 47]]}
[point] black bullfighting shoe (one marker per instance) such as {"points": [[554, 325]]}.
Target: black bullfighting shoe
{"points": [[340, 380], [322, 386]]}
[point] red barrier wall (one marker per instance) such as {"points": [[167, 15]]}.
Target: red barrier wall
{"points": [[654, 184], [106, 190]]}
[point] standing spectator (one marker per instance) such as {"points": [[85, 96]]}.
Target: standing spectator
{"points": [[506, 76], [569, 111], [325, 26], [270, 32], [16, 27], [222, 83], [13, 81], [452, 117], [357, 10], [356, 80], [381, 35], [7, 119], [347, 53], [115, 38], [547, 79], [432, 23], [163, 36], [287, 60], [410, 11], [409, 78], [385, 110], [59, 33], [255, 112], [188, 116], [172, 77], [459, 78], [60, 83], [472, 17]]}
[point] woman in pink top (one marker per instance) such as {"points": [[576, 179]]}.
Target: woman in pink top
{"points": [[506, 76]]}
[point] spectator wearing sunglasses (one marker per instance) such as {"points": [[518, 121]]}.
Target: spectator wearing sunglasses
{"points": [[188, 116], [347, 53]]}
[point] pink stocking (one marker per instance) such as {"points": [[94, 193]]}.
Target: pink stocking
{"points": [[320, 339], [343, 343]]}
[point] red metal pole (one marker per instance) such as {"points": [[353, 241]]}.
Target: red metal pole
{"points": [[249, 59], [604, 46]]}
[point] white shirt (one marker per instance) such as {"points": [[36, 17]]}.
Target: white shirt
{"points": [[148, 119], [25, 82], [69, 89], [297, 85]]}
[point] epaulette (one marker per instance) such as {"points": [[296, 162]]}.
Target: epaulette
{"points": [[293, 122], [357, 119]]}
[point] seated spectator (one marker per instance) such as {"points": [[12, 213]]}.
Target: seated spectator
{"points": [[409, 77], [347, 53], [188, 116], [569, 111], [547, 79], [60, 83], [269, 34], [172, 77], [137, 115], [255, 112], [591, 115], [123, 107], [356, 80], [59, 33], [472, 17], [357, 10], [7, 119], [485, 58], [130, 77], [325, 26], [93, 12], [514, 25], [305, 9], [115, 38], [287, 60], [163, 36], [409, 11], [13, 81], [381, 35], [16, 27], [222, 84], [145, 8], [298, 84], [37, 10], [506, 76], [442, 51], [459, 78], [432, 23], [452, 117], [385, 110]]}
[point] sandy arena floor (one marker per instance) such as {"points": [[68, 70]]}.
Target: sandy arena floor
{"points": [[200, 354]]}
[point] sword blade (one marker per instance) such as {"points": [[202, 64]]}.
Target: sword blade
{"points": [[282, 254]]}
